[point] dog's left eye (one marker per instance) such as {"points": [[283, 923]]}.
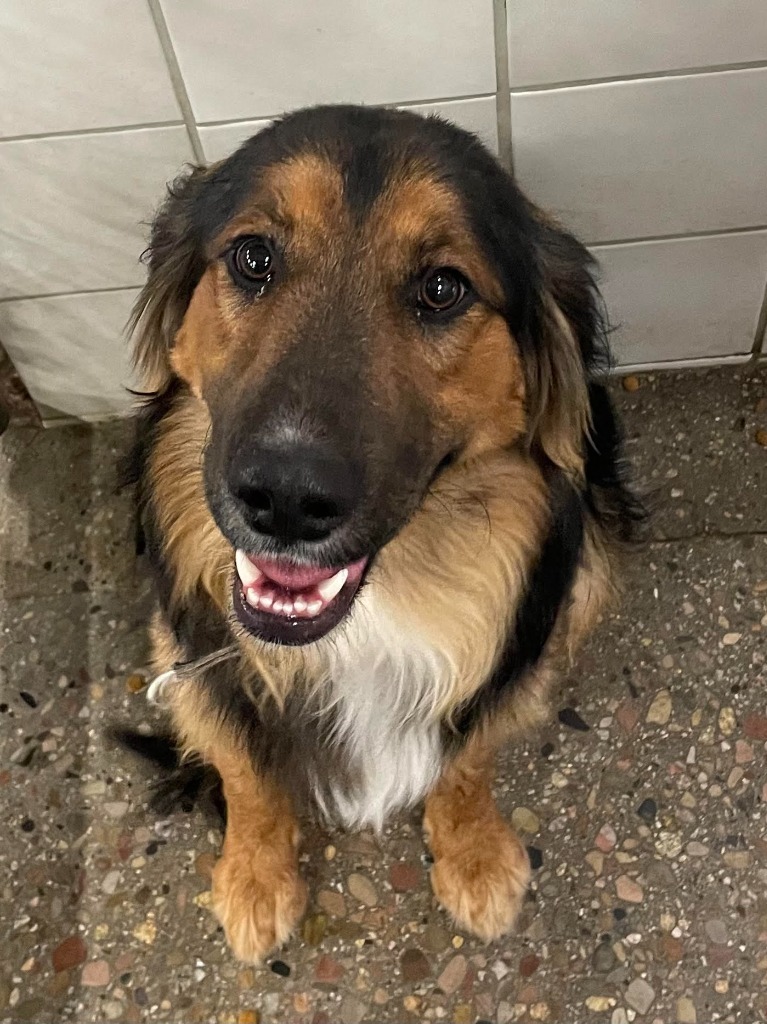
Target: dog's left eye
{"points": [[252, 262], [442, 290]]}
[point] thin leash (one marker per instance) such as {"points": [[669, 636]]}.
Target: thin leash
{"points": [[184, 670]]}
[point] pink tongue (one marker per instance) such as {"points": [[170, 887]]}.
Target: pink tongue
{"points": [[291, 577]]}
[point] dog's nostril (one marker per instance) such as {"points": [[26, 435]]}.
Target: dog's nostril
{"points": [[318, 508], [257, 499]]}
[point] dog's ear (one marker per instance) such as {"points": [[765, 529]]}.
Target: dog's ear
{"points": [[565, 344], [176, 262]]}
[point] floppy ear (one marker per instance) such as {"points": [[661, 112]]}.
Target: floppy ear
{"points": [[568, 345], [176, 263]]}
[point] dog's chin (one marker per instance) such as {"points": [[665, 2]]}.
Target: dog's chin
{"points": [[282, 602]]}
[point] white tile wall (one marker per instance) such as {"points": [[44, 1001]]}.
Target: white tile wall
{"points": [[73, 209], [690, 298], [73, 64], [652, 157], [260, 58], [568, 40], [91, 128], [476, 115], [70, 350]]}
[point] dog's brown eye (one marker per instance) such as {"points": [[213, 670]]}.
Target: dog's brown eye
{"points": [[254, 260], [441, 290]]}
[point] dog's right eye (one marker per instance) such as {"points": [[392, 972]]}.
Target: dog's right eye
{"points": [[251, 263]]}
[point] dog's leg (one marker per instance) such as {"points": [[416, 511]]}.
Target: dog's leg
{"points": [[258, 894], [481, 869]]}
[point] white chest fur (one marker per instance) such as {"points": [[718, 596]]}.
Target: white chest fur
{"points": [[385, 683]]}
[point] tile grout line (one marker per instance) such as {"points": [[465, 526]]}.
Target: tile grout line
{"points": [[675, 236], [737, 359], [503, 85], [77, 133], [61, 295], [177, 79], [644, 76]]}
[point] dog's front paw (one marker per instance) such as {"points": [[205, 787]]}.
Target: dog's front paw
{"points": [[258, 906], [481, 881]]}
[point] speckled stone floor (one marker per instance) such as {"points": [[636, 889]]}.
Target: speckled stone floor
{"points": [[644, 801]]}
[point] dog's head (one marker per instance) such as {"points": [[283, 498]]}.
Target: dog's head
{"points": [[363, 301]]}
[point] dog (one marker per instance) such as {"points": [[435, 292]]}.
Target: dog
{"points": [[382, 489]]}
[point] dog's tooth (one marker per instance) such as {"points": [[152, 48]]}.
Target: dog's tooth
{"points": [[251, 597], [331, 588], [277, 606], [299, 604], [247, 572], [266, 600], [314, 607], [287, 607]]}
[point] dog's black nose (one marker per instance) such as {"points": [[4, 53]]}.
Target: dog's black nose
{"points": [[294, 492]]}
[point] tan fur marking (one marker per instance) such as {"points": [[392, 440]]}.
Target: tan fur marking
{"points": [[481, 869], [200, 349], [561, 418], [194, 546], [486, 391], [418, 215], [308, 190], [594, 587], [304, 192], [457, 570], [164, 650], [258, 894]]}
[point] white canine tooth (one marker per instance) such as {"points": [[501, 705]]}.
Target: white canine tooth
{"points": [[287, 607], [277, 606], [266, 600], [247, 572], [251, 596], [330, 588], [314, 608], [299, 604]]}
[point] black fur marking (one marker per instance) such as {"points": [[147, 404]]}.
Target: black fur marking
{"points": [[159, 748], [546, 592], [179, 784], [610, 498], [368, 163]]}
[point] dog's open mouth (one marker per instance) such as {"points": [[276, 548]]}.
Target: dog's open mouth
{"points": [[285, 603]]}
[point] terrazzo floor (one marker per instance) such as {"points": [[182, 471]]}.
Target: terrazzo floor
{"points": [[643, 801]]}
